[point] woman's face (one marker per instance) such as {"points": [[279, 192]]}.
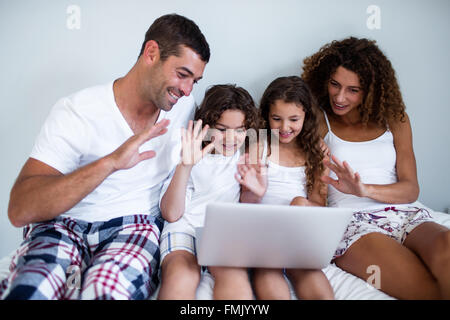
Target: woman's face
{"points": [[288, 118], [344, 91], [229, 132]]}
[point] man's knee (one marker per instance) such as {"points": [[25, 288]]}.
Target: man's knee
{"points": [[113, 280], [39, 280]]}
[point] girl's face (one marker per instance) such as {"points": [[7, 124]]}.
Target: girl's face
{"points": [[344, 91], [229, 133], [288, 118]]}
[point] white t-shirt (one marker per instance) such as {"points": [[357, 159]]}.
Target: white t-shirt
{"points": [[88, 125], [211, 180], [284, 184]]}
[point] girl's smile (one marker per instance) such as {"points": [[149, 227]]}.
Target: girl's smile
{"points": [[287, 118]]}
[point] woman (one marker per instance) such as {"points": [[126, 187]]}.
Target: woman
{"points": [[364, 122]]}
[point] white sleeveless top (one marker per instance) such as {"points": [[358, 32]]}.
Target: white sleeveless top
{"points": [[374, 160], [284, 183]]}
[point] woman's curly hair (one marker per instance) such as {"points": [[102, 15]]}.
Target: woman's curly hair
{"points": [[382, 101], [294, 90], [222, 97]]}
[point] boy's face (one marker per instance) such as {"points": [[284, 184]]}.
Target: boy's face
{"points": [[229, 132]]}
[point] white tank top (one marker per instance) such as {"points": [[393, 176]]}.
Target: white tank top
{"points": [[374, 160], [284, 183]]}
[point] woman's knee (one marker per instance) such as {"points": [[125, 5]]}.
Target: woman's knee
{"points": [[441, 257], [399, 270]]}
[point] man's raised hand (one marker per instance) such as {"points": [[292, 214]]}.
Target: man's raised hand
{"points": [[128, 155]]}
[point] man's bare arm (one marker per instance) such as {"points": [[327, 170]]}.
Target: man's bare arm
{"points": [[42, 193]]}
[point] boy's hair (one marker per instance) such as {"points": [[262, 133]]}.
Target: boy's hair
{"points": [[222, 97], [172, 31], [294, 90], [382, 101]]}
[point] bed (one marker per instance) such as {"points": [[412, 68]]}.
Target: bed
{"points": [[345, 285]]}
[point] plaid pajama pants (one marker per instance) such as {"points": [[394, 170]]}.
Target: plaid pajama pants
{"points": [[73, 259]]}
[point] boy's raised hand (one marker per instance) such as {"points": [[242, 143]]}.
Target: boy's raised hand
{"points": [[191, 143], [252, 176]]}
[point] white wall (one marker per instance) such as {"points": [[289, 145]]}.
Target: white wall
{"points": [[252, 42]]}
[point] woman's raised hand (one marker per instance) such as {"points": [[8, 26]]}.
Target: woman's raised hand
{"points": [[348, 181], [191, 143]]}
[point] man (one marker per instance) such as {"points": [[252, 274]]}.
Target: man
{"points": [[89, 192]]}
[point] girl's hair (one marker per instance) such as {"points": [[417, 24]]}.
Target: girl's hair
{"points": [[294, 90], [222, 97], [382, 101]]}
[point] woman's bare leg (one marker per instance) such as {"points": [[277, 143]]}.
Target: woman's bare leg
{"points": [[402, 273], [431, 242]]}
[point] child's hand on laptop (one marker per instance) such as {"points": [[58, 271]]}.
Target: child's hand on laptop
{"points": [[252, 176]]}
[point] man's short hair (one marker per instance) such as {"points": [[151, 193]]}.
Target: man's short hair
{"points": [[172, 30]]}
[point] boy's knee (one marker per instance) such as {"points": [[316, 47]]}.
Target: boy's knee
{"points": [[181, 268], [180, 276]]}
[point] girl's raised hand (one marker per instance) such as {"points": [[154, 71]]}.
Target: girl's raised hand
{"points": [[348, 181], [191, 143], [252, 176], [325, 150]]}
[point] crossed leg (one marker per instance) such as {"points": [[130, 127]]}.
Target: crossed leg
{"points": [[403, 275], [431, 242]]}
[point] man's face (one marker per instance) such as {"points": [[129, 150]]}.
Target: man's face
{"points": [[173, 78]]}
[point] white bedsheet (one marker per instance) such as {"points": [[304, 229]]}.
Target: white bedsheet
{"points": [[345, 285]]}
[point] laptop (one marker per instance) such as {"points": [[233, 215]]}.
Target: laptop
{"points": [[270, 236]]}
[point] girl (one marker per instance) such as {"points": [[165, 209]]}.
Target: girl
{"points": [[364, 121], [201, 178], [287, 108]]}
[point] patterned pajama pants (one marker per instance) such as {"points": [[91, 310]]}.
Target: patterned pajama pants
{"points": [[72, 259], [396, 222]]}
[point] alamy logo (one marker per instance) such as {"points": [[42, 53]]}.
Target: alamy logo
{"points": [[73, 21], [74, 277], [374, 20], [374, 280]]}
